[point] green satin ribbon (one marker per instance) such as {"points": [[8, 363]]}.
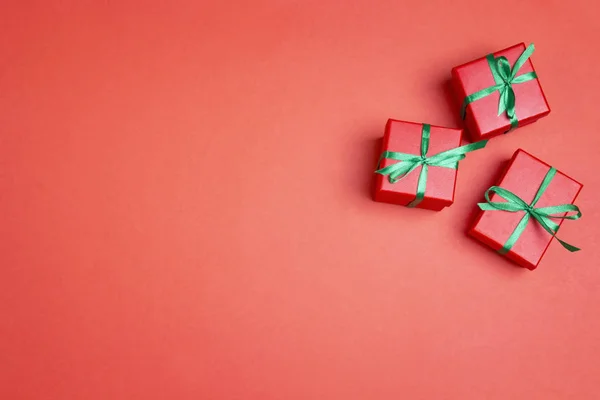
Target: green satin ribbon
{"points": [[543, 215], [410, 162], [504, 77]]}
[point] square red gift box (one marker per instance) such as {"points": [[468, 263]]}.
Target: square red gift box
{"points": [[418, 165], [499, 92], [524, 210]]}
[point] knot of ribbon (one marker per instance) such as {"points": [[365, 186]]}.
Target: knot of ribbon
{"points": [[505, 77], [410, 162], [543, 215]]}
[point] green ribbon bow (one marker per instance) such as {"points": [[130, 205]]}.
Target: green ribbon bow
{"points": [[505, 77], [543, 215], [410, 162]]}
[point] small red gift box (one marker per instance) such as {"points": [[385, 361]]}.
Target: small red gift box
{"points": [[542, 189], [499, 92], [406, 137]]}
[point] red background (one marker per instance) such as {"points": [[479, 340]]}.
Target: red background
{"points": [[185, 209]]}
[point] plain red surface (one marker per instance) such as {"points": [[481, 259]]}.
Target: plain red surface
{"points": [[523, 177], [482, 117], [185, 204], [406, 137]]}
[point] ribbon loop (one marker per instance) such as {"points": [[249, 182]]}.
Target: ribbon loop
{"points": [[542, 215], [409, 162], [510, 102], [504, 69], [566, 209]]}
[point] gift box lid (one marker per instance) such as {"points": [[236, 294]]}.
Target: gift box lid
{"points": [[482, 115], [523, 177]]}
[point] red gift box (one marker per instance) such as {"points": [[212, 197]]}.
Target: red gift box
{"points": [[405, 137], [482, 119], [523, 177]]}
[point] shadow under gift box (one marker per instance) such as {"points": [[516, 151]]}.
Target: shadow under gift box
{"points": [[523, 176], [405, 137], [482, 119]]}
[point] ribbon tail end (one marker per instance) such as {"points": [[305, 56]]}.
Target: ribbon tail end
{"points": [[569, 247]]}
